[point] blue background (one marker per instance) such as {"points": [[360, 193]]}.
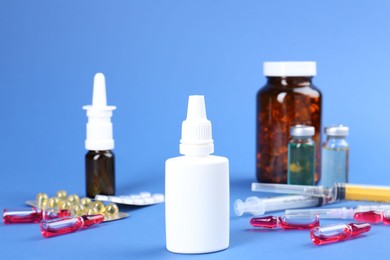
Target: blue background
{"points": [[154, 54]]}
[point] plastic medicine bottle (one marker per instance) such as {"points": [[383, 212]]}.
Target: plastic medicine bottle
{"points": [[289, 98], [301, 156], [335, 152], [197, 189]]}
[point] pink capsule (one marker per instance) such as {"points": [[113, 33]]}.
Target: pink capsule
{"points": [[386, 217], [55, 213]]}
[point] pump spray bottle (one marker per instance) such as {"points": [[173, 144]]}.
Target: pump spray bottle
{"points": [[197, 189], [99, 160]]}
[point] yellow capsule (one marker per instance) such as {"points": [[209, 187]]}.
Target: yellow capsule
{"points": [[92, 211], [97, 204], [74, 199], [65, 205], [79, 210], [112, 210], [61, 194], [42, 199], [86, 202], [53, 202]]}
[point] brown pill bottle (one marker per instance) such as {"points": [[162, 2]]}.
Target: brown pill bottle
{"points": [[289, 98]]}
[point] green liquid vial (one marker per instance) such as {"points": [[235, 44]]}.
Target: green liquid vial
{"points": [[301, 156]]}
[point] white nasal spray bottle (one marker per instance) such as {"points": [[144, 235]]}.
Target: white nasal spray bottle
{"points": [[197, 189], [100, 159]]}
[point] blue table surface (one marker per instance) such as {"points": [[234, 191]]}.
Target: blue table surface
{"points": [[154, 54], [142, 234]]}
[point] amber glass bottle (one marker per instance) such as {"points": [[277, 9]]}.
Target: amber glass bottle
{"points": [[100, 173], [289, 98]]}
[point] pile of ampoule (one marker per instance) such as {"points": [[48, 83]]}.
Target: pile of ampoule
{"points": [[77, 206], [63, 214]]}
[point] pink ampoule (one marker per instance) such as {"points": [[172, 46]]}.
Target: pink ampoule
{"points": [[371, 216], [339, 232], [287, 222], [55, 227], [386, 217], [22, 216], [55, 213], [33, 215]]}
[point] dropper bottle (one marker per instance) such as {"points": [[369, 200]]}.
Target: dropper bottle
{"points": [[197, 189], [99, 160]]}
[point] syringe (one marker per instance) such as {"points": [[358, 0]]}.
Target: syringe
{"points": [[257, 206], [340, 191], [330, 213], [293, 189], [365, 213]]}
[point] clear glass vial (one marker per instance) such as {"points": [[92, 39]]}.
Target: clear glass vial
{"points": [[301, 155], [335, 153]]}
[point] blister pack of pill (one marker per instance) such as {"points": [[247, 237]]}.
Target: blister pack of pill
{"points": [[140, 199]]}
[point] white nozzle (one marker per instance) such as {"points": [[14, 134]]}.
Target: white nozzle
{"points": [[196, 108], [99, 126], [196, 135], [99, 99]]}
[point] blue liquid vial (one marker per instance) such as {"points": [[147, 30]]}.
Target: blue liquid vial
{"points": [[335, 153]]}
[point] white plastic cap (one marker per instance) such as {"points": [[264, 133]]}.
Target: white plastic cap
{"points": [[337, 130], [196, 135], [99, 126], [302, 130], [290, 69]]}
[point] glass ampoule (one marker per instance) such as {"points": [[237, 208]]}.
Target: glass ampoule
{"points": [[33, 215], [60, 226], [286, 222], [338, 232]]}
